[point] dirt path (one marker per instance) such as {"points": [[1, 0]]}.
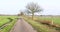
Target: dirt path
{"points": [[22, 26]]}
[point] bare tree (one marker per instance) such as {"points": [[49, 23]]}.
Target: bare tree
{"points": [[32, 8], [21, 13]]}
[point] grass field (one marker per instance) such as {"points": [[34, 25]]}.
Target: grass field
{"points": [[55, 19], [41, 27], [35, 24], [4, 20]]}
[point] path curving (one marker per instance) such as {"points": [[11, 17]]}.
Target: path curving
{"points": [[22, 26]]}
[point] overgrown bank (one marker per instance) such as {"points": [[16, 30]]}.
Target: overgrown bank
{"points": [[37, 26]]}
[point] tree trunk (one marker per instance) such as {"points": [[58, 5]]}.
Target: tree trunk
{"points": [[32, 16]]}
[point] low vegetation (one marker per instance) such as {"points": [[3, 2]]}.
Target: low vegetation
{"points": [[38, 26], [7, 22], [8, 27]]}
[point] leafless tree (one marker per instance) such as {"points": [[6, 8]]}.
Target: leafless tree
{"points": [[32, 8]]}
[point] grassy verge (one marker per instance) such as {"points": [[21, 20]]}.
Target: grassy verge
{"points": [[8, 27], [4, 19], [37, 26]]}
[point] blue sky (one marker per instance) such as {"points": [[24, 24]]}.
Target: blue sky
{"points": [[51, 7]]}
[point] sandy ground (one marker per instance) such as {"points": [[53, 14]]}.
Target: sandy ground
{"points": [[22, 26]]}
